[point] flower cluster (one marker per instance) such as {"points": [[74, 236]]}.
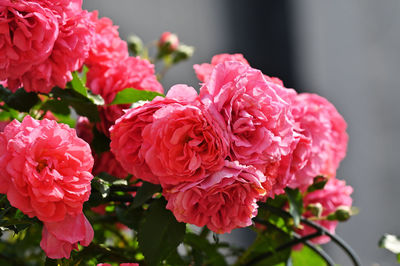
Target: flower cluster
{"points": [[245, 137]]}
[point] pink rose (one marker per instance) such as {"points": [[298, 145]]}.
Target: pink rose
{"points": [[62, 53], [27, 36], [256, 114], [60, 238], [204, 71], [133, 72], [107, 45], [183, 143], [223, 201], [335, 194], [109, 80], [44, 169], [126, 134], [321, 123]]}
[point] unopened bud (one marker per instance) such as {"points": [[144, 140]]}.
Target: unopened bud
{"points": [[168, 42], [183, 52], [135, 44], [315, 209]]}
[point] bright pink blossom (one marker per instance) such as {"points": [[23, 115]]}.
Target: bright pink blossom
{"points": [[60, 238], [183, 144], [321, 123], [133, 72], [256, 114], [3, 125], [204, 70], [28, 31], [107, 45], [335, 194], [50, 44], [44, 169], [127, 133], [223, 201], [107, 81]]}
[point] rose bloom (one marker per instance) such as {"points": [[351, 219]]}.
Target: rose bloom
{"points": [[335, 194], [3, 125], [107, 45], [50, 40], [60, 238], [84, 129], [126, 134], [223, 201], [29, 31], [44, 169], [107, 81], [321, 123], [204, 70], [183, 144], [256, 114]]}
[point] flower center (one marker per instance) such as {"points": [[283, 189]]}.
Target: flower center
{"points": [[41, 165]]}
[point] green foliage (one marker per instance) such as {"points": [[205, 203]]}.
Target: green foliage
{"points": [[159, 233], [130, 95], [20, 100], [318, 183], [295, 204], [306, 256], [145, 192]]}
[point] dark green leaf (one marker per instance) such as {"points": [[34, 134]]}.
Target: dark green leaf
{"points": [[160, 233], [295, 204], [77, 84], [56, 107], [212, 256], [130, 95], [318, 183], [145, 192], [129, 216], [100, 143], [306, 256], [262, 251], [82, 105], [391, 243], [20, 100]]}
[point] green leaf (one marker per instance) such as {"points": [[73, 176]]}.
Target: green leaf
{"points": [[100, 143], [129, 216], [295, 204], [130, 95], [77, 84], [318, 183], [212, 256], [391, 243], [56, 107], [267, 243], [159, 233], [145, 192], [82, 105], [20, 100], [306, 256]]}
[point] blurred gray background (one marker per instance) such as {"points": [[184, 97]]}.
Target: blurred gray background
{"points": [[346, 51]]}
